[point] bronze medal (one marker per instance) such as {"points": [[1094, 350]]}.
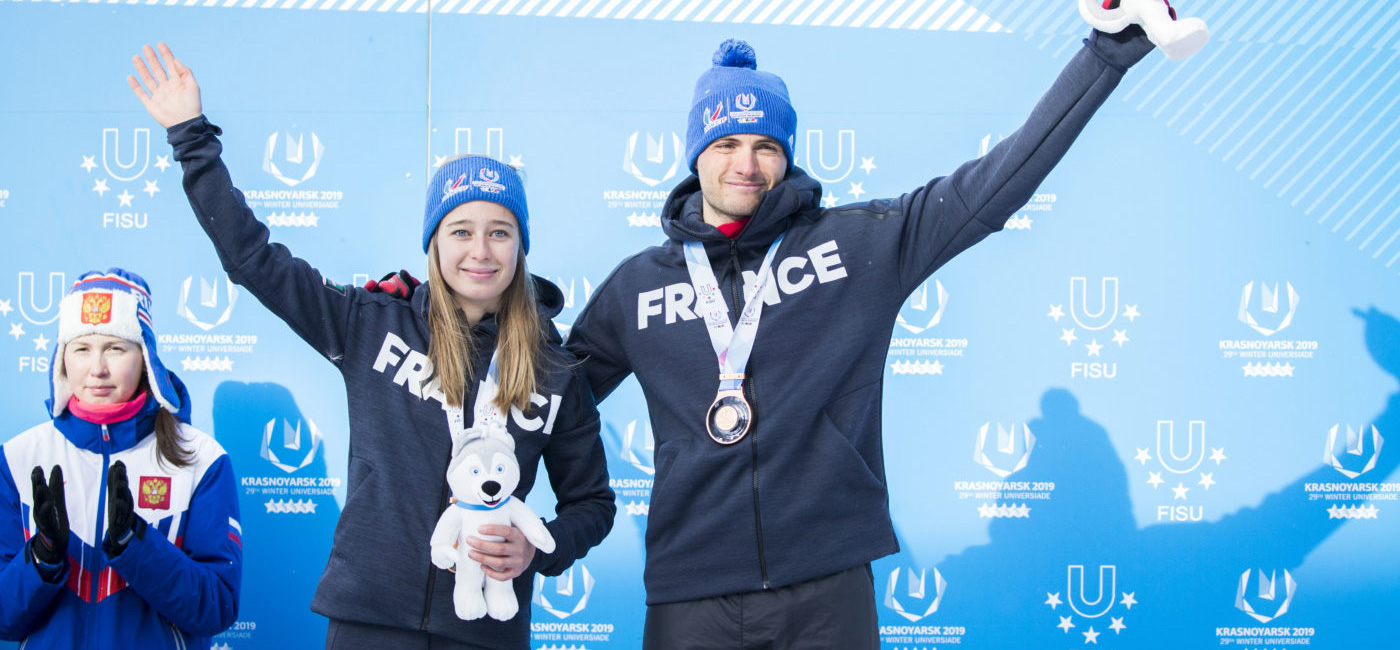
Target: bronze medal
{"points": [[729, 417]]}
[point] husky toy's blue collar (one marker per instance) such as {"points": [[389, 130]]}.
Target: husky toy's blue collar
{"points": [[473, 506]]}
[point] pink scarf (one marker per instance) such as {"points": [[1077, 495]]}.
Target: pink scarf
{"points": [[107, 413]]}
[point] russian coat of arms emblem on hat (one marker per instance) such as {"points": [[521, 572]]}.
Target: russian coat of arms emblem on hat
{"points": [[97, 308]]}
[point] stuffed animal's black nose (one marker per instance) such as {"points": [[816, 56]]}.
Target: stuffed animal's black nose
{"points": [[491, 488]]}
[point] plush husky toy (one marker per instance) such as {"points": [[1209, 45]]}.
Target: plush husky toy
{"points": [[482, 475], [1177, 39]]}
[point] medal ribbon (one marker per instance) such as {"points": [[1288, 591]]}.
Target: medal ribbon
{"points": [[732, 344], [484, 411]]}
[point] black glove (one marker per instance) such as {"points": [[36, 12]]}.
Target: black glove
{"points": [[50, 542], [399, 285], [121, 516]]}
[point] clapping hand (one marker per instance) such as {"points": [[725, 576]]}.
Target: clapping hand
{"points": [[50, 542]]}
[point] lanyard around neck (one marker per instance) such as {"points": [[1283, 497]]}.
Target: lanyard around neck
{"points": [[485, 411], [732, 344]]}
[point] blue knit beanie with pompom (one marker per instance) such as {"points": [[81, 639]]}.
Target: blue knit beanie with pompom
{"points": [[475, 178], [734, 97]]}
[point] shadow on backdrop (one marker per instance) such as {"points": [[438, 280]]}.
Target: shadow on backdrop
{"points": [[289, 513], [1183, 577]]}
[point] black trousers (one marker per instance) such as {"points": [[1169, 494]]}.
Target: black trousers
{"points": [[836, 612], [349, 635]]}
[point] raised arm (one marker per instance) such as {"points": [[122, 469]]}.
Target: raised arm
{"points": [[317, 310], [949, 214]]}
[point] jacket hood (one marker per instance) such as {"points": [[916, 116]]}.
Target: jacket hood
{"points": [[549, 299]]}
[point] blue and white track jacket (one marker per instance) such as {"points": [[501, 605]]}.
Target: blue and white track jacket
{"points": [[176, 583]]}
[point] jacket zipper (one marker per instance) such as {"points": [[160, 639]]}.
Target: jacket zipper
{"points": [[101, 505], [432, 569], [737, 294]]}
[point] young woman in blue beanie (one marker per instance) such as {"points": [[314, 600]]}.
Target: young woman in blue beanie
{"points": [[84, 561], [414, 372]]}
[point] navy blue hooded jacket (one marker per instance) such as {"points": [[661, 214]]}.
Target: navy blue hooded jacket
{"points": [[805, 494], [379, 570]]}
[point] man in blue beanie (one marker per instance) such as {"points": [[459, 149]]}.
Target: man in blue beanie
{"points": [[770, 498]]}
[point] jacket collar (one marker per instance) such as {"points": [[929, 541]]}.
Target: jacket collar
{"points": [[797, 196], [120, 436]]}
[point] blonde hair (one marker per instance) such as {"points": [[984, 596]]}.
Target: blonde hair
{"points": [[520, 342]]}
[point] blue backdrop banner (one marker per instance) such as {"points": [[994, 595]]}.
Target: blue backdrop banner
{"points": [[1151, 413]]}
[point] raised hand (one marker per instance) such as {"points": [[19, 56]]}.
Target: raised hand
{"points": [[1178, 39], [50, 542], [168, 91]]}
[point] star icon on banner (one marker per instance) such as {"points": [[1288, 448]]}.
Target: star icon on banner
{"points": [[1117, 626], [1217, 454], [1068, 337], [1066, 622], [100, 187], [1206, 480], [517, 162], [41, 343], [991, 510], [1155, 478], [1093, 347], [1131, 312], [162, 162], [1179, 492], [16, 330], [89, 163], [1120, 337], [1056, 312], [151, 188], [438, 160], [1142, 456], [857, 189], [125, 197], [1091, 636], [868, 164], [1128, 600], [1053, 600], [829, 201], [5, 308]]}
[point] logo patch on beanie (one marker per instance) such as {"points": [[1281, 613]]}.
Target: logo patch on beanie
{"points": [[487, 181], [155, 493], [745, 103], [97, 308], [715, 117], [452, 187]]}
